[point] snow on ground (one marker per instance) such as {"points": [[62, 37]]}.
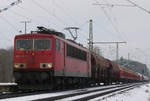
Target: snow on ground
{"points": [[8, 84], [141, 93], [47, 95]]}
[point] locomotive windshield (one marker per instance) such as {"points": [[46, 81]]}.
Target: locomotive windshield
{"points": [[33, 44], [42, 44], [24, 44]]}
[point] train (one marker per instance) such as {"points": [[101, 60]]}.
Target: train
{"points": [[45, 59]]}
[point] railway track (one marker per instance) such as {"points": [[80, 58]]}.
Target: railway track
{"points": [[4, 95], [75, 95]]}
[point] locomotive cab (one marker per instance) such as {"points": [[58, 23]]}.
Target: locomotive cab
{"points": [[32, 52], [34, 58]]}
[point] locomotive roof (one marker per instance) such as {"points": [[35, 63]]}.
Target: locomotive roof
{"points": [[52, 35], [42, 31], [32, 34]]}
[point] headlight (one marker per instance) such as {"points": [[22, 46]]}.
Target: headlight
{"points": [[45, 65], [20, 65], [49, 65], [16, 65]]}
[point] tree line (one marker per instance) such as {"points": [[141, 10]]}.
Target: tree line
{"points": [[6, 65]]}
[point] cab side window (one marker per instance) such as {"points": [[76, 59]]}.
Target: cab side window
{"points": [[57, 45]]}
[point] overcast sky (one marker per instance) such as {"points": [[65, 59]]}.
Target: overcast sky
{"points": [[118, 23]]}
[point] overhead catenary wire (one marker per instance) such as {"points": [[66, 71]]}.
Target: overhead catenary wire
{"points": [[37, 4], [112, 5], [7, 38], [136, 5], [35, 20], [18, 14], [140, 7], [44, 9], [9, 23], [64, 13], [10, 5], [110, 20], [4, 19], [114, 18], [123, 5], [66, 10]]}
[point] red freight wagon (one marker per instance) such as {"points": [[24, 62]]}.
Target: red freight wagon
{"points": [[103, 70], [126, 75]]}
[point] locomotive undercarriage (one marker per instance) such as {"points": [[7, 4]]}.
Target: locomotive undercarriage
{"points": [[45, 80], [38, 80]]}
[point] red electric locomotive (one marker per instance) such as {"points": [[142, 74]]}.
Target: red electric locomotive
{"points": [[46, 58]]}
